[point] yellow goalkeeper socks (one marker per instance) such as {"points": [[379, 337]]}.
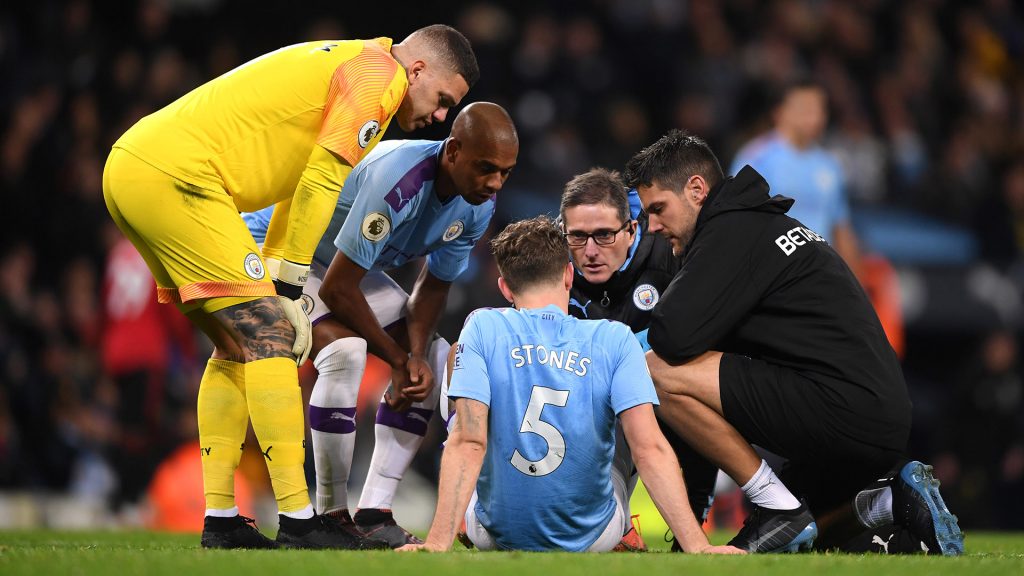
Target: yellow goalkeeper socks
{"points": [[223, 419], [275, 407]]}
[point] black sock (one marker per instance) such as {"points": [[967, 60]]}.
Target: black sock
{"points": [[372, 516], [296, 526], [220, 524]]}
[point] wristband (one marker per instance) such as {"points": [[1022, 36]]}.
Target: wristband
{"points": [[291, 278], [273, 267]]}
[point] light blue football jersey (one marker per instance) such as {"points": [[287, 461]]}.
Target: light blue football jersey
{"points": [[812, 177], [554, 385], [388, 213]]}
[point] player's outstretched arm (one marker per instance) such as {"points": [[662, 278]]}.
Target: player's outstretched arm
{"points": [[425, 306], [460, 468], [659, 470]]}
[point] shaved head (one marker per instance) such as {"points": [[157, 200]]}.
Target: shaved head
{"points": [[485, 123], [440, 66], [480, 153], [448, 46]]}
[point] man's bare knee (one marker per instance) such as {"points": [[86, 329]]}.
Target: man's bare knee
{"points": [[697, 379], [668, 379]]}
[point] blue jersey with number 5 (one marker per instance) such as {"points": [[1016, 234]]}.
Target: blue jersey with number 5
{"points": [[554, 385]]}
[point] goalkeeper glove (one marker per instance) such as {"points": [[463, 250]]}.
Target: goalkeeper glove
{"points": [[303, 329], [289, 277]]}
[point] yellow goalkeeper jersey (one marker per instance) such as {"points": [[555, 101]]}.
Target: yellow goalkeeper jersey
{"points": [[251, 131]]}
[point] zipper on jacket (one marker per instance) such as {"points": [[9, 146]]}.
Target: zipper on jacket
{"points": [[606, 300]]}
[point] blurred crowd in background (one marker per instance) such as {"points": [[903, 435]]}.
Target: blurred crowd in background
{"points": [[926, 105]]}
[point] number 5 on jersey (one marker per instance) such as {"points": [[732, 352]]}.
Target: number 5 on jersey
{"points": [[533, 424]]}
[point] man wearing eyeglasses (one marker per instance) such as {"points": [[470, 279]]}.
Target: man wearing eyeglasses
{"points": [[621, 272]]}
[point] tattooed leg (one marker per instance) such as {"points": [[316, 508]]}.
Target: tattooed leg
{"points": [[259, 327], [224, 345]]}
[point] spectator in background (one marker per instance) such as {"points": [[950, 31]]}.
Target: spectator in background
{"points": [[136, 351], [791, 159], [982, 457], [999, 222]]}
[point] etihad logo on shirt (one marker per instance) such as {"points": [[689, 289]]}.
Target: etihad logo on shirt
{"points": [[367, 132], [375, 226]]}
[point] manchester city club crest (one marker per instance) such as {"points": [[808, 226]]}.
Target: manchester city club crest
{"points": [[307, 304], [254, 266], [645, 296], [375, 226], [453, 231]]}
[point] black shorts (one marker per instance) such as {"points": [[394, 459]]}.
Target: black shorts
{"points": [[797, 418]]}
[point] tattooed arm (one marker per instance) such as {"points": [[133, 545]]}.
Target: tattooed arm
{"points": [[460, 467]]}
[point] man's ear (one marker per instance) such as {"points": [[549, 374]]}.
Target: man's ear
{"points": [[567, 276], [451, 148], [506, 291], [696, 190], [415, 70]]}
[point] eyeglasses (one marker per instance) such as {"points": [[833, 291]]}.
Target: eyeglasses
{"points": [[601, 237]]}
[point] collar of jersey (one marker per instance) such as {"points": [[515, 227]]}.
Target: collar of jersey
{"points": [[549, 308]]}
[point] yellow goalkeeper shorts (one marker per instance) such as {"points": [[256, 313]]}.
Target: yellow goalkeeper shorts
{"points": [[195, 243]]}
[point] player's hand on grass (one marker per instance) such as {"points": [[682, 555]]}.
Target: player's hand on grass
{"points": [[421, 379], [422, 548], [720, 550]]}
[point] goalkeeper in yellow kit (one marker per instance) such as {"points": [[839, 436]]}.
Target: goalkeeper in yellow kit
{"points": [[285, 129]]}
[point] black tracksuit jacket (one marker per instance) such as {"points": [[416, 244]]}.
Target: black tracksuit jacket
{"points": [[755, 282]]}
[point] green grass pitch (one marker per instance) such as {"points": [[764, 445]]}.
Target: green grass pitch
{"points": [[116, 553]]}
